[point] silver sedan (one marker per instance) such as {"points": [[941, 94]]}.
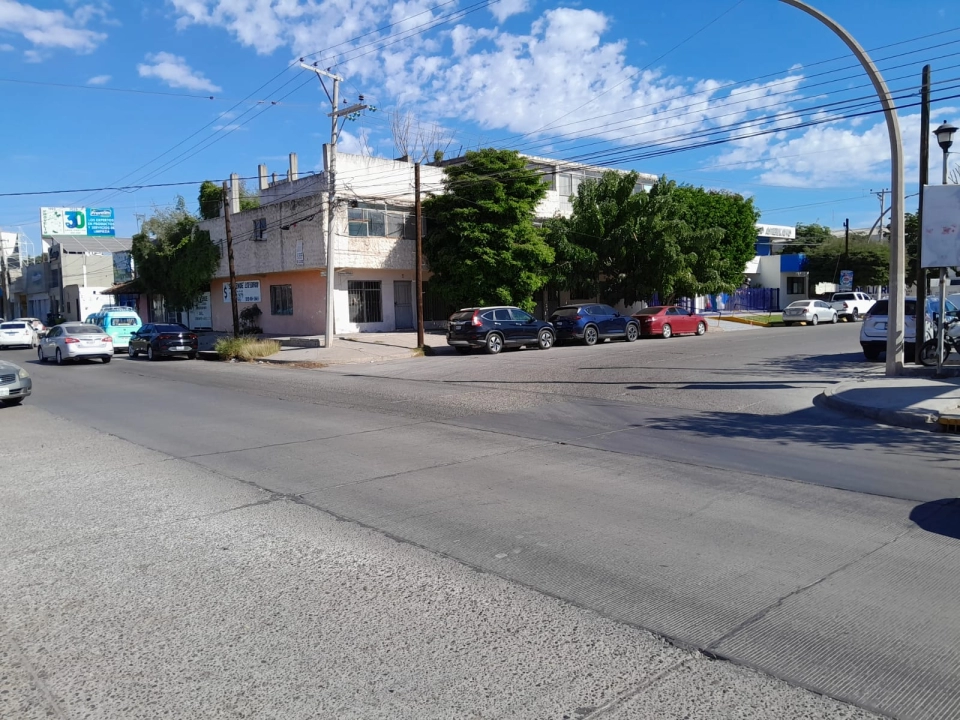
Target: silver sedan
{"points": [[72, 341], [812, 312], [15, 384]]}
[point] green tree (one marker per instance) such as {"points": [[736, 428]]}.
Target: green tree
{"points": [[210, 199], [870, 261], [809, 236], [481, 243], [173, 258], [722, 240]]}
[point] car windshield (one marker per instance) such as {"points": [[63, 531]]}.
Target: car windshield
{"points": [[462, 315], [844, 296], [566, 311], [169, 328], [13, 326], [649, 310], [799, 304], [123, 322], [882, 307], [82, 330]]}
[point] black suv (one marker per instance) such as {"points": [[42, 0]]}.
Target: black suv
{"points": [[494, 328]]}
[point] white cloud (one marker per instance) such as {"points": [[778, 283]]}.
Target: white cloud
{"points": [[174, 71], [4, 47], [33, 56], [52, 28], [99, 80], [507, 8]]}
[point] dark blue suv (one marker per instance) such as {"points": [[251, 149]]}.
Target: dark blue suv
{"points": [[593, 322], [494, 328]]}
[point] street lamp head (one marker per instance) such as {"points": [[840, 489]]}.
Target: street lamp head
{"points": [[944, 135]]}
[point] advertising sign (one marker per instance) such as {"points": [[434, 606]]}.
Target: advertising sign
{"points": [[77, 222], [787, 232], [846, 280], [248, 291], [941, 226], [200, 315]]}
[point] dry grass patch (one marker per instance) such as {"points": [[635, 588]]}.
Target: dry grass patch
{"points": [[245, 348]]}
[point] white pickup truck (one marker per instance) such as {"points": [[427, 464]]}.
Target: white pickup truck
{"points": [[851, 305]]}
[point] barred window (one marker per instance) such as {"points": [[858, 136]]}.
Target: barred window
{"points": [[259, 228], [371, 222], [281, 300], [365, 301]]}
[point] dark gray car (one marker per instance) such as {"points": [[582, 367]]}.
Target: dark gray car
{"points": [[15, 384]]}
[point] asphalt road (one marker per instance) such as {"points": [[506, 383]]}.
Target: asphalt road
{"points": [[690, 487]]}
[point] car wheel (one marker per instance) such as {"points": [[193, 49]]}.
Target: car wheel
{"points": [[835, 318], [60, 360], [494, 343], [545, 340], [701, 328], [191, 356], [815, 320], [633, 332], [106, 359], [40, 356], [12, 403], [788, 324], [856, 315], [667, 332], [462, 350], [871, 355], [590, 335], [151, 355], [131, 352]]}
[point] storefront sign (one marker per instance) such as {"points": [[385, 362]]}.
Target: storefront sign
{"points": [[785, 232], [248, 291]]}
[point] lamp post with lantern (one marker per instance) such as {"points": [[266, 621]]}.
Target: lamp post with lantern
{"points": [[944, 135]]}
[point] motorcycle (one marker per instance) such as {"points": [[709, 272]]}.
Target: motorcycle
{"points": [[951, 341]]}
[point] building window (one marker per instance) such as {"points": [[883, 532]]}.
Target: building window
{"points": [[365, 301], [281, 300], [565, 184], [260, 229], [796, 286]]}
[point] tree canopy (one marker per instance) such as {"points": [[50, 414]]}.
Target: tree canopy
{"points": [[173, 258], [482, 244], [210, 199], [870, 261]]}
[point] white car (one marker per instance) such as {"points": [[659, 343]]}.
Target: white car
{"points": [[853, 305], [72, 341], [873, 332], [17, 333], [811, 312]]}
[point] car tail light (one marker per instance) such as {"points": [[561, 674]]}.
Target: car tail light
{"points": [[578, 317], [108, 339], [70, 340], [845, 306], [475, 320], [167, 337]]}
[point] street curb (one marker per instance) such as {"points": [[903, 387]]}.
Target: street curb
{"points": [[923, 420], [743, 321]]}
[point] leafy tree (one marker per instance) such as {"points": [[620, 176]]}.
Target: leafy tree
{"points": [[722, 240], [870, 261], [809, 236], [211, 199], [482, 244], [911, 240], [173, 258]]}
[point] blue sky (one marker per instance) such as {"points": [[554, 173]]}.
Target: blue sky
{"points": [[99, 94]]}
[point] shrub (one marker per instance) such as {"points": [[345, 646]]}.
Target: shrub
{"points": [[245, 348]]}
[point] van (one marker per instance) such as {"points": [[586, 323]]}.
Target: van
{"points": [[118, 322]]}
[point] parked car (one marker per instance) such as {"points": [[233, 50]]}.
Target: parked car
{"points": [[851, 305], [15, 383], [157, 340], [812, 312], [38, 326], [118, 322], [670, 320], [73, 341], [494, 328], [17, 333], [873, 332], [591, 323]]}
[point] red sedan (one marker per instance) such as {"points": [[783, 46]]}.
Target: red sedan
{"points": [[670, 320]]}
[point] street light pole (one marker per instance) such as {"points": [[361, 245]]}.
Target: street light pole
{"points": [[944, 135], [897, 253]]}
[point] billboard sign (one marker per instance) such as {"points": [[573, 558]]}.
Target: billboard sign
{"points": [[846, 280], [941, 226], [77, 222]]}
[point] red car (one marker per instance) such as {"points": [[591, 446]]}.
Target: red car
{"points": [[670, 320]]}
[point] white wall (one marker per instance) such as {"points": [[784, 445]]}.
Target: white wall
{"points": [[341, 300]]}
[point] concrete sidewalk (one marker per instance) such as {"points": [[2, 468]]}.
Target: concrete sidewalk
{"points": [[926, 403], [356, 348]]}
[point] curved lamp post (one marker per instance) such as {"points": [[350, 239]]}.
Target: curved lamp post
{"points": [[897, 255]]}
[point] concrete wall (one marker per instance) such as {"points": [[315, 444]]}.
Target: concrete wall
{"points": [[309, 303], [82, 301], [342, 323]]}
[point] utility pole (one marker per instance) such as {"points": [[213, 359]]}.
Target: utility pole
{"points": [[233, 274], [334, 116], [846, 240], [4, 278], [418, 210], [924, 180]]}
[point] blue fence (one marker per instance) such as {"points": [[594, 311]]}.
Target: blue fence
{"points": [[750, 299]]}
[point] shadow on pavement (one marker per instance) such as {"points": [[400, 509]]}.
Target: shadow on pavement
{"points": [[815, 426], [834, 365], [941, 517]]}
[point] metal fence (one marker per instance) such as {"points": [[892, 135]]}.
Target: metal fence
{"points": [[744, 299]]}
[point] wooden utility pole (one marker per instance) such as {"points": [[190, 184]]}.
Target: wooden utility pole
{"points": [[846, 241], [418, 210], [924, 180], [233, 275]]}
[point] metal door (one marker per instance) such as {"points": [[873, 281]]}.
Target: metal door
{"points": [[403, 304]]}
